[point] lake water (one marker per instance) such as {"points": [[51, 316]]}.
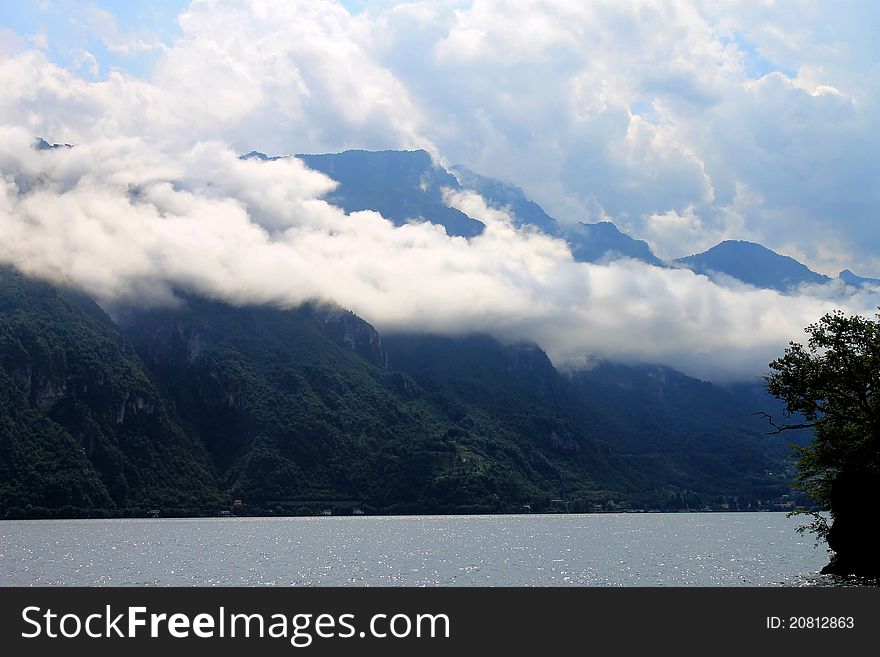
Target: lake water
{"points": [[652, 549]]}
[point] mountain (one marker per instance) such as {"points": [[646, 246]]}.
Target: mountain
{"points": [[83, 423], [290, 410], [503, 195], [482, 383], [665, 434], [691, 433], [401, 185], [588, 242], [41, 465], [301, 405], [604, 241], [753, 264], [407, 185], [189, 407], [42, 145], [857, 281]]}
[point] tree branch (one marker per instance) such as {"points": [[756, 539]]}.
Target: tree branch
{"points": [[785, 427]]}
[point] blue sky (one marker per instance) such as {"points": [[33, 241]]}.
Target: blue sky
{"points": [[69, 30]]}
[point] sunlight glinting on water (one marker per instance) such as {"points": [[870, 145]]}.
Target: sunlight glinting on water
{"points": [[687, 549]]}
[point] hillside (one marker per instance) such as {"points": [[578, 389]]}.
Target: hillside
{"points": [[83, 422], [188, 408], [302, 405], [662, 433]]}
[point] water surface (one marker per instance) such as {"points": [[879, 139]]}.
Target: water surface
{"points": [[651, 549]]}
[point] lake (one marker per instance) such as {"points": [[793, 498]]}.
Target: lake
{"points": [[634, 549]]}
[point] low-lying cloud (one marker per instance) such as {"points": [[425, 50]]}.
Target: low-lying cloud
{"points": [[130, 223]]}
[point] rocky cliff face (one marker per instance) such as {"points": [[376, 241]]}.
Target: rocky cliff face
{"points": [[349, 329], [532, 363], [68, 360], [41, 389]]}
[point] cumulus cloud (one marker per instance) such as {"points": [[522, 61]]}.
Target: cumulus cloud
{"points": [[626, 111], [9, 41], [104, 25], [281, 77], [643, 109], [648, 113], [129, 223]]}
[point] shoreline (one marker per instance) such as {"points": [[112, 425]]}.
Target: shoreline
{"points": [[270, 516]]}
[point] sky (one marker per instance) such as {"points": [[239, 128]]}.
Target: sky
{"points": [[685, 123]]}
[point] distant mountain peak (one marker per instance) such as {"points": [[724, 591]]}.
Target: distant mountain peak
{"points": [[603, 240], [257, 155], [588, 242], [408, 185], [753, 264], [402, 186], [504, 195], [42, 145], [850, 278]]}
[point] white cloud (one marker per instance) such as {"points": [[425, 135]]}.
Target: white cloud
{"points": [[642, 108], [291, 77], [129, 223], [645, 112], [103, 24], [86, 60], [10, 41], [620, 110]]}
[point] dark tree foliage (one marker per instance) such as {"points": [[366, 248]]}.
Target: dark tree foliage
{"points": [[832, 383]]}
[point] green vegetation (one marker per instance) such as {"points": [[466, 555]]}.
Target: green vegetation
{"points": [[299, 405], [186, 409], [83, 424], [833, 383], [689, 434], [645, 437], [41, 465]]}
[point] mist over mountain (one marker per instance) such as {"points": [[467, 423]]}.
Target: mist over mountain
{"points": [[293, 402], [589, 242], [265, 388], [503, 195], [122, 222], [604, 114], [288, 408], [604, 241], [408, 185]]}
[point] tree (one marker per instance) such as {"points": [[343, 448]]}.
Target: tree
{"points": [[833, 385]]}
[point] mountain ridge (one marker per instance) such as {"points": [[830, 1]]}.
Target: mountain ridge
{"points": [[754, 264], [407, 185]]}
